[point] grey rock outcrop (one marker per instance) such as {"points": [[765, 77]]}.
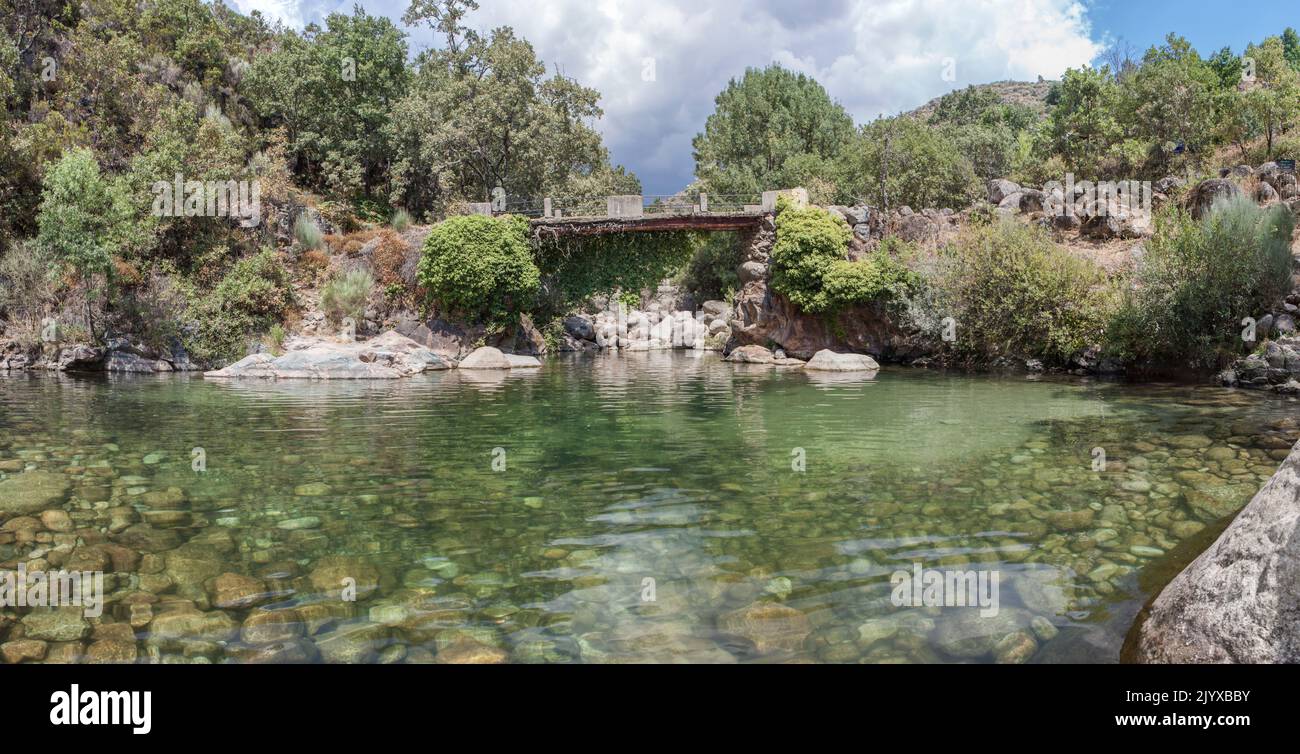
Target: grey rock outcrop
{"points": [[1001, 188], [830, 361], [751, 355], [1237, 602], [1206, 193], [388, 356], [486, 357]]}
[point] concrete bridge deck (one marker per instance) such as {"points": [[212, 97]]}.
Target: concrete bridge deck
{"points": [[632, 213], [594, 226]]}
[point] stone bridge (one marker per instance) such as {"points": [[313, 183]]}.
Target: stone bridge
{"points": [[638, 214]]}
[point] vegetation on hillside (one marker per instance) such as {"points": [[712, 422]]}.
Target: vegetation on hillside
{"points": [[344, 132], [102, 100], [1197, 281], [1167, 112], [809, 267], [1009, 291]]}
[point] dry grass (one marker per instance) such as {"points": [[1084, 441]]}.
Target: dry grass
{"points": [[391, 254]]}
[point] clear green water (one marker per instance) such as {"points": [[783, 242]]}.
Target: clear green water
{"points": [[620, 470]]}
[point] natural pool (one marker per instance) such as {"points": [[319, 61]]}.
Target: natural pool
{"points": [[659, 507]]}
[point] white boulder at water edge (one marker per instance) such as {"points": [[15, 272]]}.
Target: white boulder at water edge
{"points": [[488, 357], [661, 326], [830, 361]]}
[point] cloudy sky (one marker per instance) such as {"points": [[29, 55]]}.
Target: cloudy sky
{"points": [[660, 63]]}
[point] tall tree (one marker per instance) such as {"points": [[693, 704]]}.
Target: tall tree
{"points": [[335, 89], [762, 121], [482, 114]]}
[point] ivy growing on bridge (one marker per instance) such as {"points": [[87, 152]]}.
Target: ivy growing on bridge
{"points": [[575, 268]]}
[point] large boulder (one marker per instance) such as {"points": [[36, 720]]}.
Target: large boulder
{"points": [[518, 361], [486, 357], [1237, 602], [387, 356], [751, 271], [580, 327], [80, 358], [1208, 192], [827, 360], [751, 355], [1001, 188], [917, 228], [1011, 202]]}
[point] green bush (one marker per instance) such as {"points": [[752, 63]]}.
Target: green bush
{"points": [[809, 242], [307, 234], [480, 266], [401, 220], [346, 295], [1012, 292], [877, 278], [1199, 279], [252, 296]]}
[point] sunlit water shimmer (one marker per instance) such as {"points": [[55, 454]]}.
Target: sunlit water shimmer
{"points": [[608, 509]]}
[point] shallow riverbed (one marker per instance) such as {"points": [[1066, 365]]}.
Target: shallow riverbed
{"points": [[651, 507]]}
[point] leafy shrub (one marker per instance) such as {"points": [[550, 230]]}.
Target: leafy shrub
{"points": [[307, 234], [401, 220], [480, 266], [252, 296], [1198, 279], [257, 286], [346, 295], [1012, 292], [809, 242], [877, 278], [630, 299], [83, 216]]}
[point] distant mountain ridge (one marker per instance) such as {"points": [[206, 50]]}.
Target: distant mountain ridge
{"points": [[1032, 94]]}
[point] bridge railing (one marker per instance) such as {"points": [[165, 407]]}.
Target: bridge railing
{"points": [[589, 207]]}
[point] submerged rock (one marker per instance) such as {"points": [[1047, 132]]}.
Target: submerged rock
{"points": [[62, 624], [32, 491], [965, 633], [770, 626]]}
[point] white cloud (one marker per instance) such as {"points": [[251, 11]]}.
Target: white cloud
{"points": [[874, 56], [287, 11]]}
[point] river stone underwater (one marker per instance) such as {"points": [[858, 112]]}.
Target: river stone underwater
{"points": [[530, 516]]}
